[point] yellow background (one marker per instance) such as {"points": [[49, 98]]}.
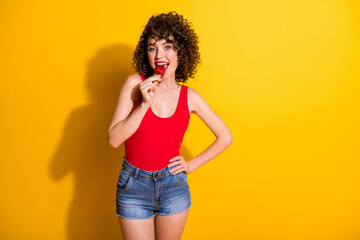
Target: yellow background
{"points": [[284, 76]]}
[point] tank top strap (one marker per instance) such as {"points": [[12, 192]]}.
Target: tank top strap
{"points": [[184, 100], [142, 77]]}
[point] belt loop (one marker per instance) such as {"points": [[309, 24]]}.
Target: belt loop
{"points": [[136, 173], [123, 160]]}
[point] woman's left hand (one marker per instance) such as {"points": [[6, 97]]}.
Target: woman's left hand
{"points": [[183, 166]]}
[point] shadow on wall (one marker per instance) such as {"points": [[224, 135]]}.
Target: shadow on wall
{"points": [[84, 149]]}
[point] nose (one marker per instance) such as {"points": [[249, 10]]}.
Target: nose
{"points": [[159, 54]]}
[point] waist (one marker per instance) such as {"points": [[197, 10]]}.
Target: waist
{"points": [[150, 159], [127, 166]]}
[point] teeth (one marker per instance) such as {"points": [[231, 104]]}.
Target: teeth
{"points": [[160, 64]]}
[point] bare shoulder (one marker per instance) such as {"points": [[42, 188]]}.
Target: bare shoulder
{"points": [[131, 86], [132, 80], [191, 91], [195, 101]]}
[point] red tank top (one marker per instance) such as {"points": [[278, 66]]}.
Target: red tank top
{"points": [[158, 139]]}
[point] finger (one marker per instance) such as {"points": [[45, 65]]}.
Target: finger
{"points": [[147, 91], [153, 79], [174, 158], [146, 85], [150, 88], [173, 164], [158, 80], [179, 164], [177, 170]]}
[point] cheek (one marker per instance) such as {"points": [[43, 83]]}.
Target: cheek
{"points": [[151, 58], [174, 58]]}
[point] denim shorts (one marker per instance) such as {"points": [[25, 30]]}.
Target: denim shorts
{"points": [[143, 194]]}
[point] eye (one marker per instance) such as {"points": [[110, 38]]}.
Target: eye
{"points": [[151, 49], [167, 47]]}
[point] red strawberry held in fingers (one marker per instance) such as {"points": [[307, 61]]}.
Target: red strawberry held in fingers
{"points": [[160, 69]]}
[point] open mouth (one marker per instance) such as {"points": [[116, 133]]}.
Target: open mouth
{"points": [[161, 68], [166, 65]]}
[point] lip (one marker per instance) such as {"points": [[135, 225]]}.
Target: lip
{"points": [[161, 62]]}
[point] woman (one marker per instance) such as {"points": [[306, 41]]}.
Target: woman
{"points": [[151, 117]]}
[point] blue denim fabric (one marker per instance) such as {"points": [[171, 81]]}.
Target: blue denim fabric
{"points": [[143, 194]]}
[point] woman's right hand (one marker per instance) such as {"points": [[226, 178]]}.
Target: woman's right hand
{"points": [[147, 88]]}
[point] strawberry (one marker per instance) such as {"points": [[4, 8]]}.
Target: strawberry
{"points": [[160, 69]]}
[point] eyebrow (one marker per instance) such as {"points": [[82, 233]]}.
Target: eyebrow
{"points": [[153, 44]]}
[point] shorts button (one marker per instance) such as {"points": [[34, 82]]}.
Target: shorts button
{"points": [[156, 175]]}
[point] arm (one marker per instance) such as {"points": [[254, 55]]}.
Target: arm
{"points": [[224, 139], [123, 124]]}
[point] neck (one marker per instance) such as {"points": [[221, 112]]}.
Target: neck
{"points": [[168, 83]]}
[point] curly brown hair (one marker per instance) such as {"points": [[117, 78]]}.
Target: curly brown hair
{"points": [[175, 29]]}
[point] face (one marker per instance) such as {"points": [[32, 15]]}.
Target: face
{"points": [[162, 52]]}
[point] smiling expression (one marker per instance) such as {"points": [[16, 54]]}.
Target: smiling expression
{"points": [[161, 52]]}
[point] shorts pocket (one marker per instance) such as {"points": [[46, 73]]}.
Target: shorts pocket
{"points": [[181, 177], [124, 181]]}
